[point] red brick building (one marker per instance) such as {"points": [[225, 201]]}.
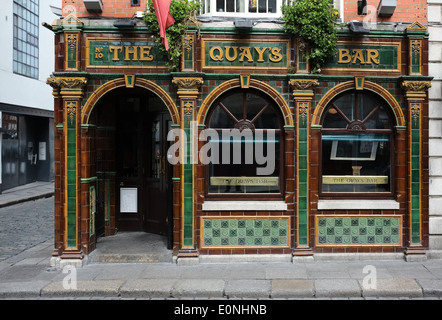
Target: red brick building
{"points": [[346, 148]]}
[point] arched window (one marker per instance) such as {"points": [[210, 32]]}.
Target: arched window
{"points": [[244, 138], [357, 145]]}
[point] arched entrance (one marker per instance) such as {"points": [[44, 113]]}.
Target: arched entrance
{"points": [[128, 153]]}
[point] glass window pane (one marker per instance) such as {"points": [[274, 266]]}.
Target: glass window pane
{"points": [[231, 177], [272, 6], [230, 5], [333, 119], [356, 162], [346, 104], [248, 157], [220, 5]]}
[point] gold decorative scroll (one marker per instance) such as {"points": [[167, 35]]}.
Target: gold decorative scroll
{"points": [[354, 179], [244, 181]]}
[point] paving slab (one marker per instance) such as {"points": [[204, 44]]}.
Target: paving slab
{"points": [[86, 288], [337, 288], [26, 272], [252, 289], [122, 271], [147, 288], [198, 288], [395, 287], [291, 288], [431, 287], [22, 289], [244, 271], [298, 271]]}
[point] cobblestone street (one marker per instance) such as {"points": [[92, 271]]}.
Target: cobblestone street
{"points": [[25, 225]]}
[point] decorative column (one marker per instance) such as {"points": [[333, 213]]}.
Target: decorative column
{"points": [[415, 95], [188, 93], [303, 93], [67, 110]]}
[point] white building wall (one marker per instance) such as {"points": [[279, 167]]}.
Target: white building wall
{"points": [[16, 89], [435, 126]]}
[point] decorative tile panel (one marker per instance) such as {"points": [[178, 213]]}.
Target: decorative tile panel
{"points": [[72, 53], [372, 230], [245, 232]]}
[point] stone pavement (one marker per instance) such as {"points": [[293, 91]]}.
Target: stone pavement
{"points": [[28, 275], [27, 192]]}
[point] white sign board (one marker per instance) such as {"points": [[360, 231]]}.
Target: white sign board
{"points": [[42, 151], [128, 200]]}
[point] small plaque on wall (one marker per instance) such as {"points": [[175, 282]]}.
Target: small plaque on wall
{"points": [[128, 200]]}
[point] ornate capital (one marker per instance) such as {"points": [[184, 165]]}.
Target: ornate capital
{"points": [[68, 86], [303, 88], [416, 89], [187, 86]]}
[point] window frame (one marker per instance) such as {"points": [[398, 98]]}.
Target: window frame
{"points": [[205, 11], [26, 31], [324, 195], [249, 195]]}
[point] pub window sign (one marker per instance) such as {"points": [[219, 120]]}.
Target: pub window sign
{"points": [[128, 200]]}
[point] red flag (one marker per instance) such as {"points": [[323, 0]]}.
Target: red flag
{"points": [[165, 19]]}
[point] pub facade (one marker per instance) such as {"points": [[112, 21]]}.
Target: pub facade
{"points": [[242, 151]]}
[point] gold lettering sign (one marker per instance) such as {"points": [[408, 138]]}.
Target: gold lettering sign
{"points": [[229, 53], [122, 53], [370, 56], [354, 179], [244, 181], [362, 56], [131, 53]]}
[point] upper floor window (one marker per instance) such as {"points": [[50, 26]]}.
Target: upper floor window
{"points": [[243, 8], [252, 8], [25, 38]]}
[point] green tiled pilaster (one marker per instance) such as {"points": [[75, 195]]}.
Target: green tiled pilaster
{"points": [[302, 170], [71, 172], [92, 209], [188, 174], [415, 198]]}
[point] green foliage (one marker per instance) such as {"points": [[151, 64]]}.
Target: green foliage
{"points": [[312, 20], [180, 11]]}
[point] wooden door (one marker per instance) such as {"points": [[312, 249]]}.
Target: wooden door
{"points": [[157, 179], [130, 162]]}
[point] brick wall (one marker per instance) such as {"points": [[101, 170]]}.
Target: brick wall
{"points": [[111, 8], [435, 125], [406, 11]]}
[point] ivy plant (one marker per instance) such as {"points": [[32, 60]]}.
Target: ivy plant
{"points": [[180, 10], [313, 21]]}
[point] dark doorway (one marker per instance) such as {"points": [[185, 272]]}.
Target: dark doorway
{"points": [[134, 125]]}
